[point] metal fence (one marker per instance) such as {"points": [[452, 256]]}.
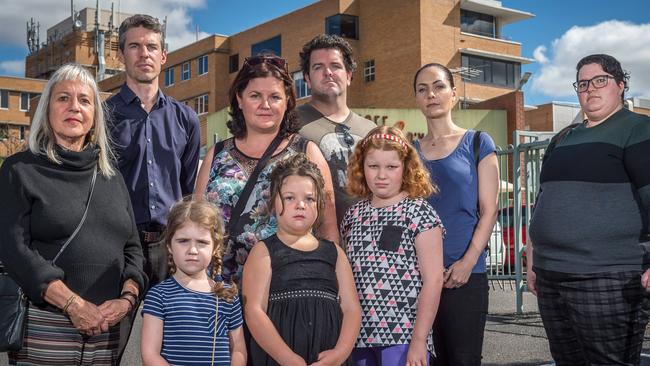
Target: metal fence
{"points": [[519, 166]]}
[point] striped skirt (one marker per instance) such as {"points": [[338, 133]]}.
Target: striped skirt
{"points": [[51, 339]]}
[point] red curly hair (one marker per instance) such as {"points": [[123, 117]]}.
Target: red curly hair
{"points": [[416, 181]]}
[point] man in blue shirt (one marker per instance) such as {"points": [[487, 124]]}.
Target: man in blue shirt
{"points": [[156, 138]]}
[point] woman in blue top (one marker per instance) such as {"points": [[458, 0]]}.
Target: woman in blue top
{"points": [[467, 205]]}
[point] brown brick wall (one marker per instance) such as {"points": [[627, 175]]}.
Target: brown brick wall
{"points": [[540, 119], [75, 47], [513, 104]]}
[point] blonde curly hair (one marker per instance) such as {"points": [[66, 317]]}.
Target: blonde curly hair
{"points": [[207, 216], [416, 181]]}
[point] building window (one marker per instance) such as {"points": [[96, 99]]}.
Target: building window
{"points": [[22, 132], [185, 71], [369, 71], [344, 25], [202, 104], [169, 76], [203, 64], [24, 101], [477, 23], [491, 71], [302, 90], [4, 132], [272, 45], [4, 99], [233, 63]]}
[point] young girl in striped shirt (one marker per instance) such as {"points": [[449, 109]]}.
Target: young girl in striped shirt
{"points": [[190, 317]]}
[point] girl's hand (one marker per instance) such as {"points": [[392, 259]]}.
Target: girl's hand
{"points": [[329, 357], [87, 318], [114, 310], [458, 273], [417, 354]]}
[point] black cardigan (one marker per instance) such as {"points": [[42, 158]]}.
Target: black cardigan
{"points": [[42, 203]]}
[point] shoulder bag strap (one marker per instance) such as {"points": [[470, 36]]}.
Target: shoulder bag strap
{"points": [[83, 218], [476, 145], [248, 188], [217, 149], [557, 139]]}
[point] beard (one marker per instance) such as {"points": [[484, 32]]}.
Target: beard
{"points": [[326, 95]]}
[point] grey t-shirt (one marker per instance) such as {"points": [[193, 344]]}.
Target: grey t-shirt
{"points": [[336, 141]]}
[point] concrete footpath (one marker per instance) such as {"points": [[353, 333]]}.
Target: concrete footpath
{"points": [[510, 339]]}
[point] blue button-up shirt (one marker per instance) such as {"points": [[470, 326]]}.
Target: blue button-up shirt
{"points": [[157, 152]]}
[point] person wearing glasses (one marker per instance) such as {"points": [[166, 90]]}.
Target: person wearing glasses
{"points": [[590, 227], [262, 101], [156, 138], [327, 63]]}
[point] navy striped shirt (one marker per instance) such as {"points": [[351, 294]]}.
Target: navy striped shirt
{"points": [[188, 328]]}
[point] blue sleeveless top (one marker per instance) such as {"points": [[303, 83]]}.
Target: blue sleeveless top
{"points": [[456, 203]]}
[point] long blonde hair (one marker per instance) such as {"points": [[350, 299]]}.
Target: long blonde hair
{"points": [[41, 136]]}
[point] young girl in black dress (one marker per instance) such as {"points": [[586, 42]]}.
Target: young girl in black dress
{"points": [[300, 301]]}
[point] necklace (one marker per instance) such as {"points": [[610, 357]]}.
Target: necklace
{"points": [[436, 140]]}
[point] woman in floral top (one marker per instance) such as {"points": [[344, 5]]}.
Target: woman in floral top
{"points": [[262, 102]]}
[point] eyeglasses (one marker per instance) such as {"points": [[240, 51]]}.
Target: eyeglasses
{"points": [[343, 134], [598, 81], [271, 60]]}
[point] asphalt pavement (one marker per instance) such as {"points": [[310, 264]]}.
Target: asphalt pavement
{"points": [[510, 338]]}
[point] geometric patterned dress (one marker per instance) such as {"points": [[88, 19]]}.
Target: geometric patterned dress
{"points": [[380, 244]]}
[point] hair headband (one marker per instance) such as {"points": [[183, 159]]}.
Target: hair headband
{"points": [[386, 136]]}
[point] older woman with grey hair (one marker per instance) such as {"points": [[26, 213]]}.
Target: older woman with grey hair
{"points": [[76, 300]]}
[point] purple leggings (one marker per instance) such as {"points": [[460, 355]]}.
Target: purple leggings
{"points": [[381, 356]]}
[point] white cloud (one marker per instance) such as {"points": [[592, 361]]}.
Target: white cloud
{"points": [[628, 42], [13, 68], [15, 15], [539, 55]]}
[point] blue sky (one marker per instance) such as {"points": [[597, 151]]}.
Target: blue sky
{"points": [[559, 34]]}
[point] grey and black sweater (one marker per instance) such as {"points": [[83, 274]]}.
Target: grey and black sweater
{"points": [[591, 215], [42, 203]]}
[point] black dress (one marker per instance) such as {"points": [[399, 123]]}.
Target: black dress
{"points": [[303, 300]]}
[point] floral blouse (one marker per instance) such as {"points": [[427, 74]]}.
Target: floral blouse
{"points": [[228, 176]]}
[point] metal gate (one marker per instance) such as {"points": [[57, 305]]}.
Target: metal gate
{"points": [[519, 166]]}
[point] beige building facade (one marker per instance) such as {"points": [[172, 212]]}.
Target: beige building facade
{"points": [[17, 97], [391, 41]]}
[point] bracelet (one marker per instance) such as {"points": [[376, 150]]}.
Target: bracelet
{"points": [[129, 302], [71, 299], [128, 294]]}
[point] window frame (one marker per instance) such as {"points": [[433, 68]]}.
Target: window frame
{"points": [[369, 70], [257, 48], [22, 95], [202, 101], [169, 76], [232, 66], [490, 66], [202, 65], [329, 23], [300, 85], [4, 97], [464, 13], [188, 71]]}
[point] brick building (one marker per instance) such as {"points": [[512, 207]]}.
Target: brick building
{"points": [[391, 40], [74, 39], [16, 98]]}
